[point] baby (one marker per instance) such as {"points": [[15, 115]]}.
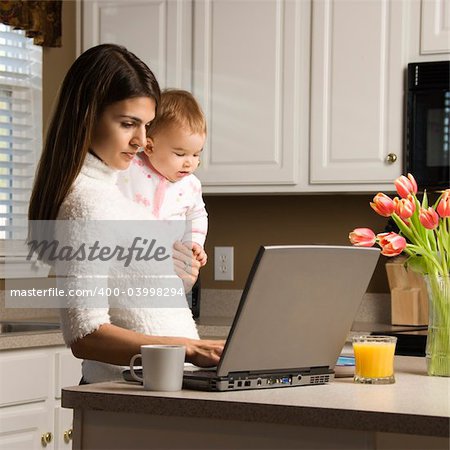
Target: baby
{"points": [[161, 176]]}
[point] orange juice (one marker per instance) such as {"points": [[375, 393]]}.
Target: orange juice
{"points": [[374, 359]]}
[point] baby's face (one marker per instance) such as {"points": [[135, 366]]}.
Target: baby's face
{"points": [[175, 152]]}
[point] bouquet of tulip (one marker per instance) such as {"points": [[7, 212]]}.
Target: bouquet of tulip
{"points": [[424, 237]]}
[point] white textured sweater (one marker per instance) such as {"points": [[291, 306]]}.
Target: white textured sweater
{"points": [[95, 197]]}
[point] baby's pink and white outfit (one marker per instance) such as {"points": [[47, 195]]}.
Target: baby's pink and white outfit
{"points": [[166, 200]]}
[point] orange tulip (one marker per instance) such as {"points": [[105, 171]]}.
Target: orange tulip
{"points": [[362, 237], [429, 218], [383, 205], [405, 186], [443, 207], [405, 207], [392, 244]]}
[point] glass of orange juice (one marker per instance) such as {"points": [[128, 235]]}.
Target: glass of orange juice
{"points": [[374, 359]]}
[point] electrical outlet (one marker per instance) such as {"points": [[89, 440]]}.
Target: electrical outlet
{"points": [[223, 263]]}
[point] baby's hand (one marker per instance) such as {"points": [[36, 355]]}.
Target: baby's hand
{"points": [[198, 252]]}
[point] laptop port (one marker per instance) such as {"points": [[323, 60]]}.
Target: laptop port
{"points": [[283, 380], [248, 383], [259, 382], [239, 383]]}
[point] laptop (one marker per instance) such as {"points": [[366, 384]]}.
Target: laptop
{"points": [[293, 318]]}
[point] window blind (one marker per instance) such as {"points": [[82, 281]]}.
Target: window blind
{"points": [[20, 127]]}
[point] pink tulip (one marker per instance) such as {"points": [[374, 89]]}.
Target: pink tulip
{"points": [[429, 218], [362, 237], [406, 186], [405, 207], [443, 207], [383, 205], [391, 244]]}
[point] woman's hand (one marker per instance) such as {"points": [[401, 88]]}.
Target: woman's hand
{"points": [[115, 345], [204, 353], [186, 265]]}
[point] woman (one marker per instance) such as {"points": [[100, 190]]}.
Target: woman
{"points": [[107, 100]]}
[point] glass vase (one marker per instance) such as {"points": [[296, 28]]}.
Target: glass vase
{"points": [[438, 340]]}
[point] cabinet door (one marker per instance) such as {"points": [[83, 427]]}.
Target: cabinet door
{"points": [[157, 31], [63, 428], [435, 27], [246, 75], [357, 90], [25, 376], [23, 427], [68, 371]]}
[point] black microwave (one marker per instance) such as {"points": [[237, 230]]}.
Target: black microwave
{"points": [[427, 154]]}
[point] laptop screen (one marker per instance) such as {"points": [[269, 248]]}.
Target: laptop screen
{"points": [[297, 308]]}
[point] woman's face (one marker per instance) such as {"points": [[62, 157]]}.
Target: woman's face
{"points": [[121, 130]]}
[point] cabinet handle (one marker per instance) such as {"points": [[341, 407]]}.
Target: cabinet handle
{"points": [[46, 438], [391, 158], [68, 435]]}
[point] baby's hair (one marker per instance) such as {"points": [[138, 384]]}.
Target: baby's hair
{"points": [[179, 108]]}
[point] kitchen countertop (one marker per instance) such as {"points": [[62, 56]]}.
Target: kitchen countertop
{"points": [[215, 327], [208, 327], [218, 309], [415, 404], [219, 326], [30, 339]]}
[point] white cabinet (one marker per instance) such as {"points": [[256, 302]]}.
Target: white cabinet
{"points": [[357, 88], [299, 95], [429, 30], [24, 376], [435, 27], [247, 76], [67, 373], [31, 416], [24, 427], [157, 31], [63, 428], [250, 84]]}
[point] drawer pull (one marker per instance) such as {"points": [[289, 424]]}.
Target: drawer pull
{"points": [[46, 438], [391, 158], [68, 436]]}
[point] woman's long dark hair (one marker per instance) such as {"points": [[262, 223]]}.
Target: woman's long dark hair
{"points": [[100, 76]]}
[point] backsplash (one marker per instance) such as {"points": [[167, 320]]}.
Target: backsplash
{"points": [[12, 314], [374, 308]]}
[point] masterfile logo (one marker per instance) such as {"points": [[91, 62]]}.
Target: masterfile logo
{"points": [[53, 251], [97, 264]]}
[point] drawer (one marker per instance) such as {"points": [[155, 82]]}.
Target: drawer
{"points": [[23, 425], [25, 376]]}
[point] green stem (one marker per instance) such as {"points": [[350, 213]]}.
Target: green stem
{"points": [[432, 240], [425, 252], [446, 239], [438, 341], [411, 233], [442, 252]]}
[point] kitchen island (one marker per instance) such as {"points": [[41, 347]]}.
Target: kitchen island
{"points": [[413, 413]]}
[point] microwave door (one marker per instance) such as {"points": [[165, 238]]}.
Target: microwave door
{"points": [[428, 133]]}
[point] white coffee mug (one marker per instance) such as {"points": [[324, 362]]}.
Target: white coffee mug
{"points": [[162, 367]]}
